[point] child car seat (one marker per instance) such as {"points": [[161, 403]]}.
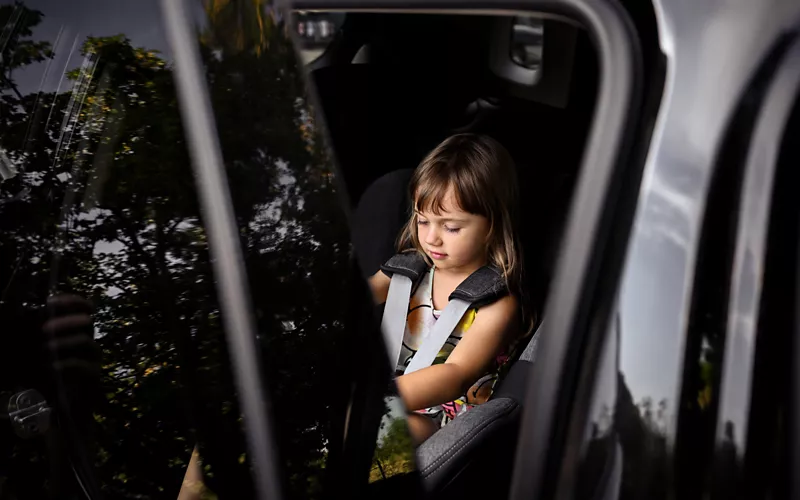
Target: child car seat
{"points": [[479, 445], [483, 440]]}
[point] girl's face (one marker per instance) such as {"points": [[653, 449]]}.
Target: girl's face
{"points": [[455, 240]]}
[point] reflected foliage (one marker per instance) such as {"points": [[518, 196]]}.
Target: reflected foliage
{"points": [[103, 206], [394, 449], [642, 436], [238, 25], [293, 231], [394, 454]]}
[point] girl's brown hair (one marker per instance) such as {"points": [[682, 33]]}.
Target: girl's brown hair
{"points": [[483, 178]]}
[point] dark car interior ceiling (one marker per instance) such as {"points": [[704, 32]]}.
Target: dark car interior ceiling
{"points": [[392, 86]]}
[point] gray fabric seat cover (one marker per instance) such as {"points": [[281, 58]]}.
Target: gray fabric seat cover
{"points": [[446, 454]]}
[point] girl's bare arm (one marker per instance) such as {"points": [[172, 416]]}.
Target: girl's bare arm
{"points": [[493, 328]]}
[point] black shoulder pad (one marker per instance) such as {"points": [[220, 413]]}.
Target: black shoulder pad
{"points": [[482, 287], [410, 264]]}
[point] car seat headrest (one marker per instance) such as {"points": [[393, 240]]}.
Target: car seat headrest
{"points": [[379, 216]]}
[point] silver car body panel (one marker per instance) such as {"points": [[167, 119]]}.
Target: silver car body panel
{"points": [[712, 50]]}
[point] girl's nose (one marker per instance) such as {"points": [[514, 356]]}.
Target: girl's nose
{"points": [[432, 236]]}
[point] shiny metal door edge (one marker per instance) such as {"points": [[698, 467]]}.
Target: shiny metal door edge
{"points": [[551, 385], [228, 263], [751, 247]]}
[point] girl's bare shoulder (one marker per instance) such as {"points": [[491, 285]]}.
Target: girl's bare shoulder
{"points": [[379, 284], [503, 309]]}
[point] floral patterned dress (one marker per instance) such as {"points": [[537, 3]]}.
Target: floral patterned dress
{"points": [[419, 324]]}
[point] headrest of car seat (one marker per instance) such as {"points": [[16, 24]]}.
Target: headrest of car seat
{"points": [[379, 216]]}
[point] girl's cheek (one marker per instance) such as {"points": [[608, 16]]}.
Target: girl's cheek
{"points": [[422, 233]]}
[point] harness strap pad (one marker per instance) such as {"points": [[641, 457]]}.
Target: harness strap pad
{"points": [[410, 264], [484, 286]]}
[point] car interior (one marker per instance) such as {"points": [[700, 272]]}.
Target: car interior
{"points": [[391, 87], [387, 98]]}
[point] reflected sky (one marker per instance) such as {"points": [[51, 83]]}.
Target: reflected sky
{"points": [[651, 303], [649, 320], [66, 26]]}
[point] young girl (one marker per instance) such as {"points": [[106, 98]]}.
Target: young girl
{"points": [[464, 198]]}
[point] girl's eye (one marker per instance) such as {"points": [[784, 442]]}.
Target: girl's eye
{"points": [[422, 222], [452, 229]]}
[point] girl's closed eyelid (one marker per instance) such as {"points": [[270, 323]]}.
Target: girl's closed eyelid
{"points": [[448, 229]]}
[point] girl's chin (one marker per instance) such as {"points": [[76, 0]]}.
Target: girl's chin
{"points": [[444, 265]]}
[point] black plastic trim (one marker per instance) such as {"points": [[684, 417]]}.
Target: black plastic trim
{"points": [[747, 279]]}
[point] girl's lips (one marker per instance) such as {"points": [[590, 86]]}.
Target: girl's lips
{"points": [[437, 255]]}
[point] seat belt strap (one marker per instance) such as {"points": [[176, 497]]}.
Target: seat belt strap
{"points": [[441, 331], [393, 323]]}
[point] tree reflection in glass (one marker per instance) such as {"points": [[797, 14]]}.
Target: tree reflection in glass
{"points": [[98, 201]]}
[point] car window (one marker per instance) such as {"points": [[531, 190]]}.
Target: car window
{"points": [[107, 294], [320, 345], [115, 363]]}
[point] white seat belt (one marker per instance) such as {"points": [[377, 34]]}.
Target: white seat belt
{"points": [[393, 324], [447, 322]]}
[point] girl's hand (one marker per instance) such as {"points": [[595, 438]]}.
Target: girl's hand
{"points": [[494, 327]]}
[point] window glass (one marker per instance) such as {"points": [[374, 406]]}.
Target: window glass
{"points": [[305, 289], [110, 317], [114, 365]]}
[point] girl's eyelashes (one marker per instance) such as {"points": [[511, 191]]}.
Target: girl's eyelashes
{"points": [[454, 230]]}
